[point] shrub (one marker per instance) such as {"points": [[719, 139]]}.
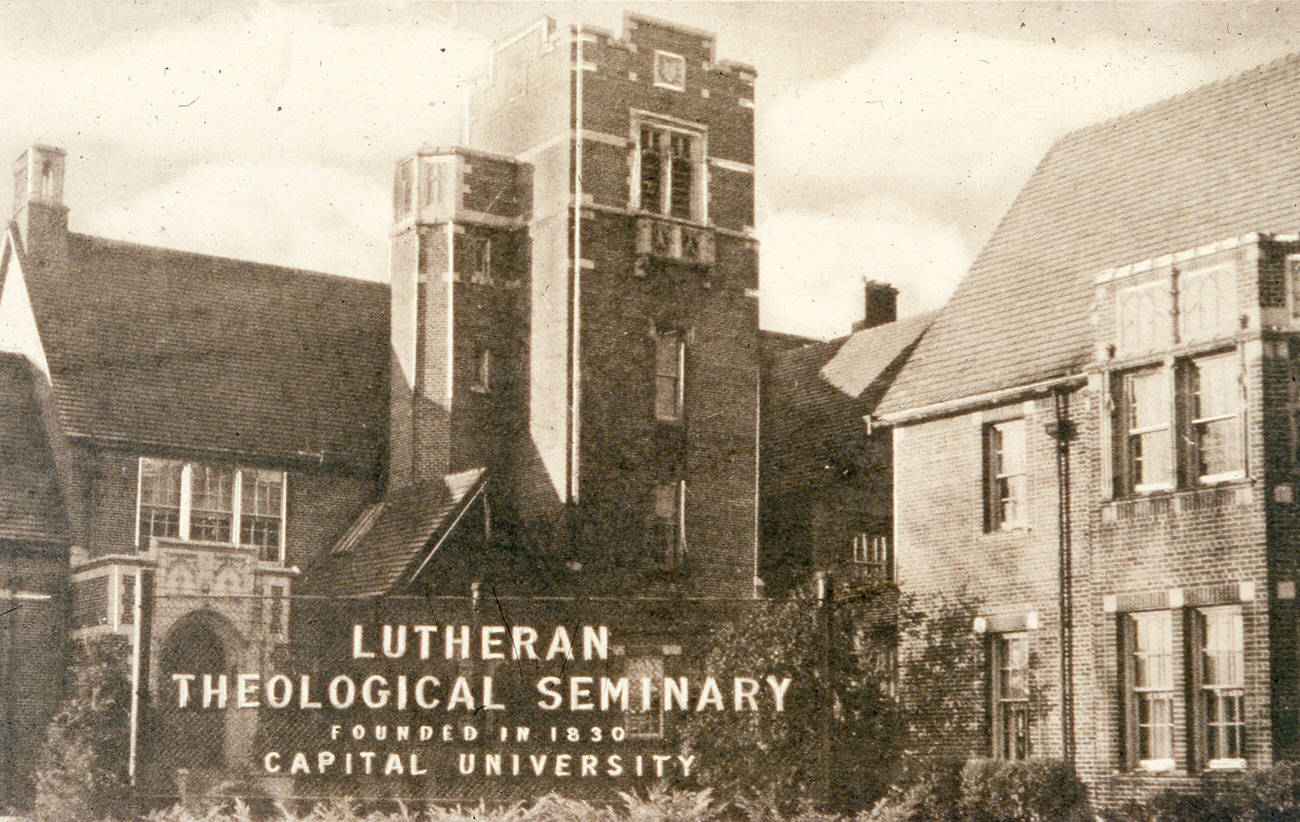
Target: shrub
{"points": [[1036, 790], [80, 772]]}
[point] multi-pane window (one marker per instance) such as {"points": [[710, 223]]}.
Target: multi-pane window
{"points": [[477, 258], [1221, 685], [645, 675], [1004, 479], [1148, 446], [212, 503], [669, 170], [275, 602], [668, 523], [126, 599], [261, 518], [870, 549], [1010, 669], [160, 498], [1149, 692], [670, 375], [1215, 393]]}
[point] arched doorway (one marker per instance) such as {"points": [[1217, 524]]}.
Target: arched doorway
{"points": [[193, 736]]}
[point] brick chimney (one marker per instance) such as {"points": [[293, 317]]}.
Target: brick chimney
{"points": [[880, 305], [38, 196]]}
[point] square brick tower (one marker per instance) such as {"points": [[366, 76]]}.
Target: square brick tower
{"points": [[610, 230]]}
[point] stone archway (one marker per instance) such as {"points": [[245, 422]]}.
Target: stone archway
{"points": [[196, 738]]}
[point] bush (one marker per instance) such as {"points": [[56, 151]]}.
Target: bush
{"points": [[986, 790], [1036, 790], [80, 772], [1271, 795]]}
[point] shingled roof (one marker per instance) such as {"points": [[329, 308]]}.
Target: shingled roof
{"points": [[154, 346], [816, 396], [1216, 162], [387, 544]]}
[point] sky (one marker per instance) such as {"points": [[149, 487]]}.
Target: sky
{"points": [[891, 137]]}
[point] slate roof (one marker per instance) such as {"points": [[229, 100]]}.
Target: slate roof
{"points": [[817, 395], [152, 345], [1216, 162], [389, 540], [31, 506]]}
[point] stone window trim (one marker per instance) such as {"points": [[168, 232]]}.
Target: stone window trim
{"points": [[679, 146], [1005, 475], [250, 523]]}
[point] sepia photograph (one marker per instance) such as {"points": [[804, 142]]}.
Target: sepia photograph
{"points": [[764, 411]]}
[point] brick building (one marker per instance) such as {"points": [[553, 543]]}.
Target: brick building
{"points": [[1095, 455], [557, 392], [826, 497]]}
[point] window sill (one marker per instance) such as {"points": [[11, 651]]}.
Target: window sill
{"points": [[1226, 765], [1156, 765], [1216, 479]]}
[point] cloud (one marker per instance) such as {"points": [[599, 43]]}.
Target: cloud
{"points": [[813, 264], [944, 127], [241, 210]]}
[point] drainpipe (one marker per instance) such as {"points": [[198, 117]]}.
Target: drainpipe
{"points": [[1062, 430]]}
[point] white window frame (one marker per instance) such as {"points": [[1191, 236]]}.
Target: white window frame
{"points": [[186, 490], [1133, 693], [1200, 640], [995, 437], [1129, 431], [666, 337], [1000, 707], [1192, 371], [675, 555], [699, 165]]}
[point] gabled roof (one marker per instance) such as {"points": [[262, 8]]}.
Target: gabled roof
{"points": [[154, 346], [1216, 162], [816, 396], [391, 541], [31, 500]]}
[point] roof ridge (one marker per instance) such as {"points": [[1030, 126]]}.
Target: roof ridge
{"points": [[1237, 77], [180, 252]]}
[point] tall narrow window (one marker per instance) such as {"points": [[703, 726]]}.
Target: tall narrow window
{"points": [[1145, 412], [1011, 696], [1221, 682], [160, 499], [670, 372], [670, 171], [1293, 282], [1004, 466], [1149, 700], [126, 599], [261, 517], [211, 502], [645, 676], [1215, 390], [669, 523], [482, 370]]}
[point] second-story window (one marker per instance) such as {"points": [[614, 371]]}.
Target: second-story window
{"points": [[261, 517], [1147, 458], [670, 171], [211, 502], [160, 498], [206, 502], [1004, 480], [1214, 388], [670, 375]]}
